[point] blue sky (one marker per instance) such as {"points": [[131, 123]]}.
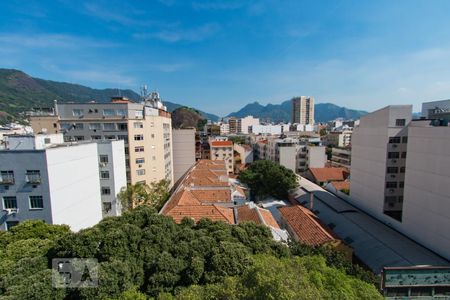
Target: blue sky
{"points": [[219, 55]]}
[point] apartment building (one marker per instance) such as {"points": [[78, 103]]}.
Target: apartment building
{"points": [[269, 129], [224, 129], [234, 124], [247, 123], [340, 138], [144, 127], [295, 154], [400, 174], [223, 150], [303, 110], [341, 157], [183, 151], [61, 183]]}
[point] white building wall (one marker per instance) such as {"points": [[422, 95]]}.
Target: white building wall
{"points": [[73, 173], [426, 205], [317, 157], [288, 157], [183, 151], [247, 122], [267, 129]]}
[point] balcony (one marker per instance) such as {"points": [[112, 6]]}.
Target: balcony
{"points": [[33, 178], [7, 179]]}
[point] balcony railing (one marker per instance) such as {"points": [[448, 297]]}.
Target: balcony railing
{"points": [[6, 179], [33, 178]]}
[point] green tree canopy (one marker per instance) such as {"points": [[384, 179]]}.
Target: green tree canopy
{"points": [[265, 177]]}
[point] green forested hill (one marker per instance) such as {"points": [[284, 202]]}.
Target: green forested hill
{"points": [[20, 92]]}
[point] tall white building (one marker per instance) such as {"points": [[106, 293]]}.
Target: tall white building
{"points": [[303, 110], [69, 183], [400, 174], [183, 151], [247, 123]]}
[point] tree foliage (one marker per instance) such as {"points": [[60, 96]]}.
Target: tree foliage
{"points": [[142, 255], [153, 195], [265, 177]]}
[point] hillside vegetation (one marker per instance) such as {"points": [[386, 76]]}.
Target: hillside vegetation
{"points": [[20, 92], [144, 255]]}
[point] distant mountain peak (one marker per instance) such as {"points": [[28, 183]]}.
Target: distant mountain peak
{"points": [[282, 112]]}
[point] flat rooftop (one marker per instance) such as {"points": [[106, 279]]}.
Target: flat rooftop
{"points": [[374, 243]]}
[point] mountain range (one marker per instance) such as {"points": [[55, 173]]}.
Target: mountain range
{"points": [[20, 92], [323, 112]]}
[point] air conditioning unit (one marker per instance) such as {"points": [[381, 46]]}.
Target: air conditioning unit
{"points": [[11, 211], [102, 164]]}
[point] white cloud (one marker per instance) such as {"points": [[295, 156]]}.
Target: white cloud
{"points": [[176, 35]]}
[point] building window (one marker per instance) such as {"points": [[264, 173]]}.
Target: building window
{"points": [[394, 140], [122, 112], [390, 199], [78, 138], [10, 202], [36, 202], [139, 149], [393, 154], [11, 224], [77, 112], [7, 177], [96, 137], [106, 190], [139, 114], [392, 170], [123, 138], [401, 184], [127, 150], [109, 112], [107, 206], [400, 199], [95, 126], [78, 126], [140, 160], [391, 184], [110, 137], [404, 139], [104, 159], [138, 137], [104, 174], [402, 170], [47, 141], [33, 176], [122, 126], [153, 135], [400, 122], [109, 126], [140, 172], [138, 125]]}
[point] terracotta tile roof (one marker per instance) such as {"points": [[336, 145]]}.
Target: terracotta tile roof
{"points": [[341, 185], [257, 215], [212, 195], [205, 185], [197, 212], [221, 143], [329, 174], [306, 226], [265, 142]]}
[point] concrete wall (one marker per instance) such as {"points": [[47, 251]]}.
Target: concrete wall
{"points": [[73, 173], [316, 157], [426, 206], [288, 157], [183, 151]]}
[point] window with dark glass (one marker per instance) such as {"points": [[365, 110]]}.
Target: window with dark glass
{"points": [[36, 202]]}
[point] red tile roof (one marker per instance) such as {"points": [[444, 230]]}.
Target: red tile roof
{"points": [[221, 143], [341, 185], [306, 226], [329, 174], [257, 215], [201, 193]]}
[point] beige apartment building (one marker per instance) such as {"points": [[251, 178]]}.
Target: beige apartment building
{"points": [[223, 150], [144, 127], [303, 110]]}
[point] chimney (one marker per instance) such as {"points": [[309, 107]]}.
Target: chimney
{"points": [[311, 201]]}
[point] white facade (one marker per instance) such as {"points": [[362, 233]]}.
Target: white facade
{"points": [[60, 184], [33, 142], [400, 174], [426, 106], [224, 129], [183, 151], [247, 124], [267, 129], [245, 152]]}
